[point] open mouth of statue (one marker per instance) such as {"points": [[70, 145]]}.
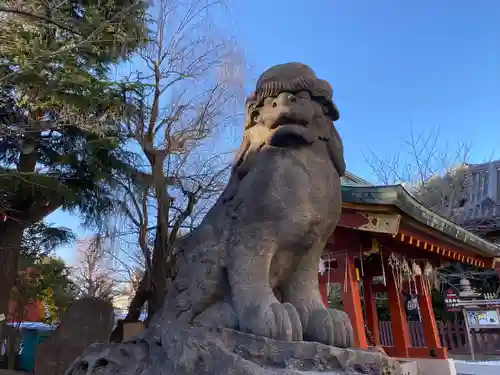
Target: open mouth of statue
{"points": [[290, 132], [288, 120]]}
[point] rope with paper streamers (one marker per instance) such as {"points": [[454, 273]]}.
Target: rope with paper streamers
{"points": [[416, 271], [395, 264], [403, 269], [430, 277], [407, 270], [325, 266], [322, 268]]}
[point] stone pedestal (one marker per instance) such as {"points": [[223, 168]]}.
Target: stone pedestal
{"points": [[198, 351]]}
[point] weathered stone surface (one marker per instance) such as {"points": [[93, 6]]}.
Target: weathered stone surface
{"points": [[268, 229], [244, 298], [85, 322], [197, 350]]}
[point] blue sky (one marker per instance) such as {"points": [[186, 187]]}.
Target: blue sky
{"points": [[391, 64]]}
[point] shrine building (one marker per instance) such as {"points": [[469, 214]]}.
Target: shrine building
{"points": [[386, 241]]}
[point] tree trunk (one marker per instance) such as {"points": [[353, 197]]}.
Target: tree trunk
{"points": [[160, 274], [141, 296], [11, 233], [160, 260]]}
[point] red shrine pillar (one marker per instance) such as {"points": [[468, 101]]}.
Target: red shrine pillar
{"points": [[399, 323], [371, 309], [352, 300], [428, 318]]}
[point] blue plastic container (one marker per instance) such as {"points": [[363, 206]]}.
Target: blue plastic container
{"points": [[27, 353], [32, 334]]}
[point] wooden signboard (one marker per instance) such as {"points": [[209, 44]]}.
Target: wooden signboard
{"points": [[486, 318], [483, 319], [130, 330]]}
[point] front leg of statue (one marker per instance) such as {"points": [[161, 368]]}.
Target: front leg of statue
{"points": [[256, 307], [320, 324]]}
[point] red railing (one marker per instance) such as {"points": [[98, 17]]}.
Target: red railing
{"points": [[452, 334]]}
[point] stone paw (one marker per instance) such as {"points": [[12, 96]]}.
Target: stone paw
{"points": [[330, 327], [279, 321]]}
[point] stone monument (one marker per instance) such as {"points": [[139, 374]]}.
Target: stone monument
{"points": [[86, 321], [245, 296]]}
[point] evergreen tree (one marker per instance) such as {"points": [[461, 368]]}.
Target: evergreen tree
{"points": [[60, 145]]}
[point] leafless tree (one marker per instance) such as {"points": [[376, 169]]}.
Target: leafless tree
{"points": [[435, 175], [93, 273], [184, 102]]}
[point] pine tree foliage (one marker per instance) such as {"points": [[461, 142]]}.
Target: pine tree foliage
{"points": [[60, 140], [41, 239], [59, 111]]}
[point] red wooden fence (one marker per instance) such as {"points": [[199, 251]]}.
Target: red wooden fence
{"points": [[453, 336]]}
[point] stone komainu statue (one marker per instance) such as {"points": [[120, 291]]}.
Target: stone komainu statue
{"points": [[251, 267]]}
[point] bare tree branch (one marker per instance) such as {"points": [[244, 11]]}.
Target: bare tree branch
{"points": [[93, 273], [185, 99], [434, 174]]}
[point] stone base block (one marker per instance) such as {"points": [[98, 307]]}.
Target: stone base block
{"points": [[428, 366], [198, 351]]}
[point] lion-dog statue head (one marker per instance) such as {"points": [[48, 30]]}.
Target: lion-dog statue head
{"points": [[290, 107]]}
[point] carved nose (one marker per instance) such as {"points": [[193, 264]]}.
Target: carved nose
{"points": [[285, 98]]}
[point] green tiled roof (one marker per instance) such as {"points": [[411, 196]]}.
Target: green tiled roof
{"points": [[349, 179], [397, 196]]}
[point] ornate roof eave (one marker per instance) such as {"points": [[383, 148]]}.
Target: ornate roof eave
{"points": [[397, 196], [356, 179]]}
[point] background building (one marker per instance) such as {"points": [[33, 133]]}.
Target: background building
{"points": [[480, 212]]}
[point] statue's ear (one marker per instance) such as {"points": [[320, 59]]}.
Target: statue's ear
{"points": [[250, 111], [242, 154], [240, 168], [336, 151]]}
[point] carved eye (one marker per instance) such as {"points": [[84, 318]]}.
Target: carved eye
{"points": [[268, 100], [255, 116]]}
